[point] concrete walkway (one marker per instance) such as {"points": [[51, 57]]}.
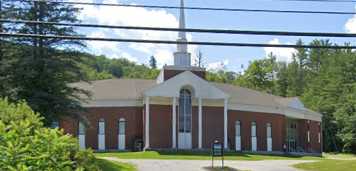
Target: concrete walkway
{"points": [[205, 165]]}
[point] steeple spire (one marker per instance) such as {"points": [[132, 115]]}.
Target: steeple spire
{"points": [[182, 57], [182, 34]]}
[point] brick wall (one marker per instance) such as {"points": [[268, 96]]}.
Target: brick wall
{"points": [[261, 119], [111, 116]]}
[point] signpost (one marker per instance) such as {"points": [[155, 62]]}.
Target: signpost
{"points": [[217, 150]]}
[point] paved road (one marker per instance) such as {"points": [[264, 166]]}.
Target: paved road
{"points": [[205, 165]]}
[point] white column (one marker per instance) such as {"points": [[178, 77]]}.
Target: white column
{"points": [[200, 134], [147, 123], [174, 123], [225, 124]]}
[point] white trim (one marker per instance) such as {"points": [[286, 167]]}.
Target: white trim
{"points": [[225, 123], [174, 123], [81, 139], [121, 137], [172, 87], [114, 103], [101, 134], [200, 127], [147, 125], [289, 112]]}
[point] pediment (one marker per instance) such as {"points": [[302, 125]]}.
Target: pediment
{"points": [[201, 88]]}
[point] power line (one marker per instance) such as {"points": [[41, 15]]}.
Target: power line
{"points": [[196, 8], [192, 30], [337, 1], [20, 35]]}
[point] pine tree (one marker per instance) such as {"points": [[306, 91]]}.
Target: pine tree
{"points": [[153, 62], [199, 59], [41, 74]]}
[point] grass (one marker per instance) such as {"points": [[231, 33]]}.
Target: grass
{"points": [[339, 156], [106, 165], [328, 164], [199, 156]]}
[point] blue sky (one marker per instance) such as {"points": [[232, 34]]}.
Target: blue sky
{"points": [[214, 57]]}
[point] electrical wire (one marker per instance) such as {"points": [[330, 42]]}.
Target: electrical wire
{"points": [[193, 30], [21, 35], [195, 8]]}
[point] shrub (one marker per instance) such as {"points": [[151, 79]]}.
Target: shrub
{"points": [[26, 145]]}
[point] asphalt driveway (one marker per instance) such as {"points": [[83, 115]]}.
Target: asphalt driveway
{"points": [[205, 165]]}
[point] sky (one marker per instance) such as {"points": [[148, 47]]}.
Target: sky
{"points": [[214, 57]]}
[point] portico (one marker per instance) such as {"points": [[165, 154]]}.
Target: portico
{"points": [[185, 91]]}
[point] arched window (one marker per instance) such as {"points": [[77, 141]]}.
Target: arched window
{"points": [[121, 134], [185, 111], [101, 126], [237, 128], [269, 130], [81, 130], [122, 126], [269, 137], [253, 129], [253, 137], [238, 136]]}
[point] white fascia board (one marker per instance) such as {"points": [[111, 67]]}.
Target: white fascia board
{"points": [[114, 103], [288, 112], [171, 87]]}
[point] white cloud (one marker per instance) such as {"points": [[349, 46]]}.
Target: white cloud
{"points": [[350, 25], [282, 54], [132, 17], [217, 66]]}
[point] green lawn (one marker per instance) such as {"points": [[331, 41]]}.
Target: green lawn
{"points": [[199, 156], [106, 165], [328, 165]]}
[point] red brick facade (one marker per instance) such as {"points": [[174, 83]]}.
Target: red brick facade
{"points": [[111, 116], [314, 128], [171, 73], [212, 123], [261, 119]]}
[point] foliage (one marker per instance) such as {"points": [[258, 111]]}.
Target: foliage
{"points": [[325, 80], [26, 145], [101, 67], [34, 68], [153, 62]]}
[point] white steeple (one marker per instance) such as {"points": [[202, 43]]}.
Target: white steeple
{"points": [[182, 57]]}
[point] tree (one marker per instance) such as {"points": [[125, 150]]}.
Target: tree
{"points": [[153, 62], [199, 59], [40, 73], [281, 86]]}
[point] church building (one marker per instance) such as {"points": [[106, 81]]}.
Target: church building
{"points": [[182, 110]]}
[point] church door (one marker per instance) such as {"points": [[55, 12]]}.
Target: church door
{"points": [[185, 120]]}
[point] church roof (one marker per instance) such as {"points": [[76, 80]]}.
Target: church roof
{"points": [[116, 89], [133, 89], [130, 92]]}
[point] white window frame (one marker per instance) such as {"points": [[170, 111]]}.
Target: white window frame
{"points": [[238, 128], [269, 130], [81, 128], [253, 129], [101, 127]]}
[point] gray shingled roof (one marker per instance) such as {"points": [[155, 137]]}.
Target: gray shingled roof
{"points": [[124, 89], [116, 89]]}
